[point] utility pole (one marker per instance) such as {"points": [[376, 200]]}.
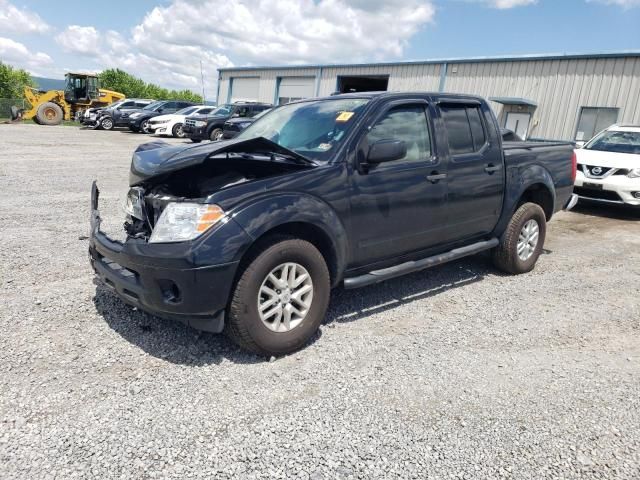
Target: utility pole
{"points": [[202, 79]]}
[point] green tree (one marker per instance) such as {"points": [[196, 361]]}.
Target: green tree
{"points": [[13, 80], [134, 87]]}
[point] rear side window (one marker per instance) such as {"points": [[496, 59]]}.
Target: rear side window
{"points": [[465, 129]]}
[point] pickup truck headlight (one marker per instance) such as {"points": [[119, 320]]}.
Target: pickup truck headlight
{"points": [[200, 123], [182, 221], [635, 173]]}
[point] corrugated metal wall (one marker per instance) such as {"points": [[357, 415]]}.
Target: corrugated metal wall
{"points": [[560, 87]]}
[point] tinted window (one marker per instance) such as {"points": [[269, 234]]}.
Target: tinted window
{"points": [[204, 111], [141, 104], [127, 105], [409, 124], [464, 129], [477, 130]]}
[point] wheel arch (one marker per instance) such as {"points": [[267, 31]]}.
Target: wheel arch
{"points": [[299, 216]]}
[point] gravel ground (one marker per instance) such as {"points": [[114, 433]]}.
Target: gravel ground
{"points": [[455, 372]]}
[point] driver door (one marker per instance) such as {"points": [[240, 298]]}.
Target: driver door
{"points": [[398, 207]]}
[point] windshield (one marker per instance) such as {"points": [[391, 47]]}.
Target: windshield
{"points": [[223, 110], [187, 111], [616, 141], [116, 104], [312, 129], [154, 106]]}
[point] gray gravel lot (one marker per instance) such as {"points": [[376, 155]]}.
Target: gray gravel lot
{"points": [[455, 372]]}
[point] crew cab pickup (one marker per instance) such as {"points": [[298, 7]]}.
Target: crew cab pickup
{"points": [[250, 235]]}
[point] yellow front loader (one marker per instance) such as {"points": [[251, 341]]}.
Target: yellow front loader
{"points": [[52, 107]]}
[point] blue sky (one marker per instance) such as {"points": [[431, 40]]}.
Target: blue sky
{"points": [[164, 40]]}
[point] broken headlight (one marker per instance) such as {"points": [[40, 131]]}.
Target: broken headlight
{"points": [[134, 204], [182, 221]]}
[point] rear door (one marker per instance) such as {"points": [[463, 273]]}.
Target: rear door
{"points": [[475, 172], [395, 207]]}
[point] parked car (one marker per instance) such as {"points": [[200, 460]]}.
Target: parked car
{"points": [[609, 167], [209, 127], [139, 121], [249, 235], [234, 126], [114, 115], [172, 123]]}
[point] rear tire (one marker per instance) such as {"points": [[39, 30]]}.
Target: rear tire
{"points": [[283, 332], [216, 134], [177, 131], [49, 113], [523, 240]]}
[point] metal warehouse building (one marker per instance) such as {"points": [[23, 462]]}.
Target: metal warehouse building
{"points": [[564, 97]]}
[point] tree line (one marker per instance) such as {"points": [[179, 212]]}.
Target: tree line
{"points": [[13, 80]]}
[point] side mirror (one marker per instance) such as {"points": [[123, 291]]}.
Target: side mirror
{"points": [[235, 115], [160, 110], [387, 151]]}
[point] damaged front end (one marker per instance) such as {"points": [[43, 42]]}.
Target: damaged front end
{"points": [[174, 263]]}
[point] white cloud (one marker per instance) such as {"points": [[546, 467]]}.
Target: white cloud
{"points": [[18, 55], [287, 31], [20, 21], [619, 3], [82, 40], [166, 47]]}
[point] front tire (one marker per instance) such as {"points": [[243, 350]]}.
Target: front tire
{"points": [[280, 298], [144, 126], [523, 240], [49, 113], [106, 123], [177, 131], [216, 134]]}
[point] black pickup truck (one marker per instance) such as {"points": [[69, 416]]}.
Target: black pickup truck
{"points": [[250, 235]]}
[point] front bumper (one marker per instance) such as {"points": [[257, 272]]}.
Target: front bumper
{"points": [[161, 279], [199, 133], [614, 189]]}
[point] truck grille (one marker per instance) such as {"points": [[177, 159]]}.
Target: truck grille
{"points": [[190, 123]]}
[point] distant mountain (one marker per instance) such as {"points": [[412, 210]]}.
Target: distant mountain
{"points": [[48, 83]]}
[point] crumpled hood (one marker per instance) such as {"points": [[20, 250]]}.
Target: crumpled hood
{"points": [[158, 158]]}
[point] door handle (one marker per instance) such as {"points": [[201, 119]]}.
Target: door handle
{"points": [[435, 177], [491, 168]]}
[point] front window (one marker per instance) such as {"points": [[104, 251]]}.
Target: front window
{"points": [[313, 129], [616, 141], [154, 106]]}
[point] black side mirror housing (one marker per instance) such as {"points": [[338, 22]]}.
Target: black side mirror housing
{"points": [[386, 151]]}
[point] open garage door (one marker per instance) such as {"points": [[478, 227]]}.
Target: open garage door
{"points": [[246, 89], [295, 88], [363, 83]]}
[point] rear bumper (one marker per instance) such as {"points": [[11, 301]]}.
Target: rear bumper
{"points": [[161, 279]]}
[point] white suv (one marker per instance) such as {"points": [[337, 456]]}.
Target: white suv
{"points": [[609, 167]]}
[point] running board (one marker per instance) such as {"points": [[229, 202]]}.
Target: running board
{"points": [[377, 276]]}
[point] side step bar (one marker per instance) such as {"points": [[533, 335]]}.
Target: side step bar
{"points": [[377, 276]]}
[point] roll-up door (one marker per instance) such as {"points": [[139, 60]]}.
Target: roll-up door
{"points": [[295, 88], [244, 88]]}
